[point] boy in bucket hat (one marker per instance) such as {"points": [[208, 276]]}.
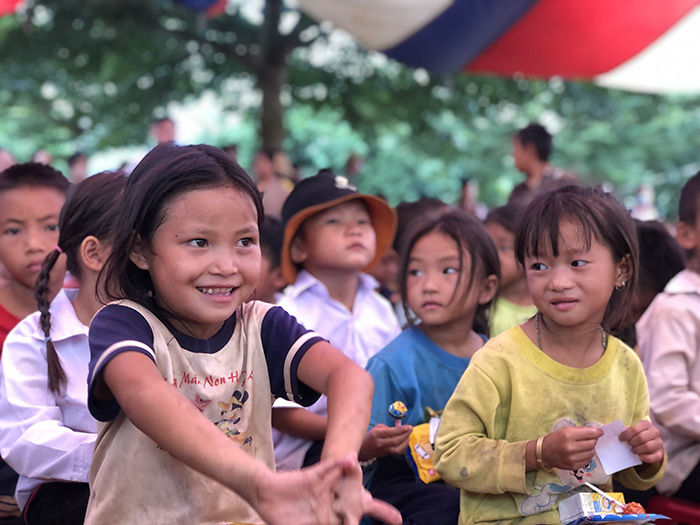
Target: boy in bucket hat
{"points": [[331, 234]]}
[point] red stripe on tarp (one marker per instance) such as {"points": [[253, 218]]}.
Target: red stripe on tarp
{"points": [[9, 7], [579, 38]]}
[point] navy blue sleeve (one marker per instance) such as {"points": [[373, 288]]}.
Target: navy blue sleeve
{"points": [[285, 342], [113, 330]]}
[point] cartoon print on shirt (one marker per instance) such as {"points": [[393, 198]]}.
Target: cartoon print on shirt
{"points": [[229, 413], [200, 404], [544, 497]]}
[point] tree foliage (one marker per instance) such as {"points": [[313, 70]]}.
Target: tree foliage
{"points": [[92, 75]]}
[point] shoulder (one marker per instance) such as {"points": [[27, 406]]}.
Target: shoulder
{"points": [[123, 320]]}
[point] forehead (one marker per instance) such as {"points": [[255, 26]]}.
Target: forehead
{"points": [[218, 205], [31, 202], [436, 244], [351, 206], [570, 237]]}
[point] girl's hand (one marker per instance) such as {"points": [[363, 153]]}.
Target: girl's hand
{"points": [[382, 440], [645, 440], [570, 448], [328, 493]]}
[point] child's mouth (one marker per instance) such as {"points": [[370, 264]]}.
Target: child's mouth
{"points": [[215, 291]]}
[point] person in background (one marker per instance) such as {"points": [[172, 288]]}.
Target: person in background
{"points": [[668, 336], [42, 156], [532, 147], [163, 130], [77, 163], [31, 197], [660, 259], [332, 234], [514, 304], [449, 277], [6, 159], [519, 434], [271, 281], [46, 432]]}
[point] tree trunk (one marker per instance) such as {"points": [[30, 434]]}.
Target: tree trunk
{"points": [[271, 77]]}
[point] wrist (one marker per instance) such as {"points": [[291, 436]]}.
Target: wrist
{"points": [[539, 453]]}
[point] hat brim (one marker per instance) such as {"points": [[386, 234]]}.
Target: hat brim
{"points": [[383, 219]]}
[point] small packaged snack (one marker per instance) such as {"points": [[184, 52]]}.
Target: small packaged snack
{"points": [[587, 507]]}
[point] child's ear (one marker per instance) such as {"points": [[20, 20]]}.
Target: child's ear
{"points": [[278, 281], [624, 271], [93, 253], [297, 250], [138, 255], [685, 235], [489, 287]]}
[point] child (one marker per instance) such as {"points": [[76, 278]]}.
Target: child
{"points": [[669, 344], [332, 234], [47, 433], [271, 282], [448, 278], [31, 196], [520, 431], [514, 304], [183, 370]]}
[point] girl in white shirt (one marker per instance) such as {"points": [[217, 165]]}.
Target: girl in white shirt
{"points": [[47, 434]]}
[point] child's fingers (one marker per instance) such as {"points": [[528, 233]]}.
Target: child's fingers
{"points": [[380, 510]]}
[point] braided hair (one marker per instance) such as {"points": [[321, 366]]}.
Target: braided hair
{"points": [[90, 209]]}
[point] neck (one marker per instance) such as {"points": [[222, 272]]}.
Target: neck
{"points": [[456, 338], [535, 173], [517, 292], [693, 264], [342, 285], [17, 299], [578, 346], [85, 303]]}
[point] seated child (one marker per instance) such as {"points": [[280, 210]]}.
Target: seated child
{"points": [[448, 279], [520, 431], [271, 282], [46, 431], [514, 304], [669, 344], [332, 233], [31, 197]]}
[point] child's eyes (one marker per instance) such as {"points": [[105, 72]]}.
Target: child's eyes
{"points": [[199, 243], [450, 270], [538, 266], [248, 241], [52, 227], [414, 272], [11, 231], [578, 263]]}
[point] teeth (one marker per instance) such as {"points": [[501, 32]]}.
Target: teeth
{"points": [[217, 291]]}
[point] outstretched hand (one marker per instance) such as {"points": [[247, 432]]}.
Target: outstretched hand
{"points": [[570, 448], [328, 493], [645, 440]]}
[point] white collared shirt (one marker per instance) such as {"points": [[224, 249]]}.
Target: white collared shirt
{"points": [[44, 436], [360, 333], [668, 336]]}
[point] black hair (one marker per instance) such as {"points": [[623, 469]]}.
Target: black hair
{"points": [[469, 234], [509, 217], [165, 173], [90, 209], [537, 135], [601, 217], [271, 238], [33, 174], [690, 200], [660, 256], [406, 212]]}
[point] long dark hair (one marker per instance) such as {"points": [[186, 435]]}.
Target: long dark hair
{"points": [[165, 173], [601, 217], [89, 210], [469, 234]]}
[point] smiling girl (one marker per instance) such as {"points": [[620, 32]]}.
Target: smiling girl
{"points": [[520, 431], [184, 371]]}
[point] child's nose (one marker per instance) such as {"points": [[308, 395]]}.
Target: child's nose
{"points": [[36, 242], [560, 279]]}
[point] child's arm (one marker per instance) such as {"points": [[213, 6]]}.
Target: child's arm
{"points": [[150, 402], [300, 422], [349, 390]]}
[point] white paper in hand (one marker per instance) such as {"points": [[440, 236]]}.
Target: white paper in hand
{"points": [[615, 455]]}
